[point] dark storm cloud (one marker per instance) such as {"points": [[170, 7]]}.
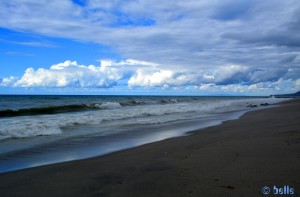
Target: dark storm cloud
{"points": [[284, 38]]}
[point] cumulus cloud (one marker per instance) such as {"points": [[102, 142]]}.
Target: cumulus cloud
{"points": [[71, 74], [157, 78], [9, 81], [135, 73]]}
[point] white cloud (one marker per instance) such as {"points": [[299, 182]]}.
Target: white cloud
{"points": [[9, 81], [70, 74], [134, 73], [156, 78]]}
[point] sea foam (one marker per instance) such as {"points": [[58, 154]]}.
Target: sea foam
{"points": [[114, 114]]}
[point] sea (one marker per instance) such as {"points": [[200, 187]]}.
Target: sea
{"points": [[37, 130]]}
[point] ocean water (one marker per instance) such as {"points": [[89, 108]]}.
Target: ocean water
{"points": [[39, 130]]}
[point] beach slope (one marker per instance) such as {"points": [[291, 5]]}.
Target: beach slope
{"points": [[237, 158]]}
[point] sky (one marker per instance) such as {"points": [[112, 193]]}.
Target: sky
{"points": [[150, 47]]}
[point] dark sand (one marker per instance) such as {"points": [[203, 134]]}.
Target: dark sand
{"points": [[236, 158]]}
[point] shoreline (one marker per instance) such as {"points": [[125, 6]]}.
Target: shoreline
{"points": [[44, 150], [227, 159]]}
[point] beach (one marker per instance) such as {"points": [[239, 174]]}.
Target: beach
{"points": [[236, 158]]}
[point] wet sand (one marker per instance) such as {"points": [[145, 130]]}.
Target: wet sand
{"points": [[237, 158]]}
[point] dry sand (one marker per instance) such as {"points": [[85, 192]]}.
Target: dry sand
{"points": [[236, 158]]}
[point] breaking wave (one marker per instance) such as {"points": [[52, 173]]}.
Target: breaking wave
{"points": [[78, 107], [52, 120]]}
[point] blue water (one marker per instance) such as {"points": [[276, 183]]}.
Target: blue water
{"points": [[39, 130]]}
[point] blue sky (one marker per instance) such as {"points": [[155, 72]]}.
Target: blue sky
{"points": [[151, 47]]}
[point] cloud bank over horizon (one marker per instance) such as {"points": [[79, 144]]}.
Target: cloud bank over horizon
{"points": [[133, 73], [219, 46]]}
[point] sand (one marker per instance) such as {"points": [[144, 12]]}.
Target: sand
{"points": [[237, 158]]}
